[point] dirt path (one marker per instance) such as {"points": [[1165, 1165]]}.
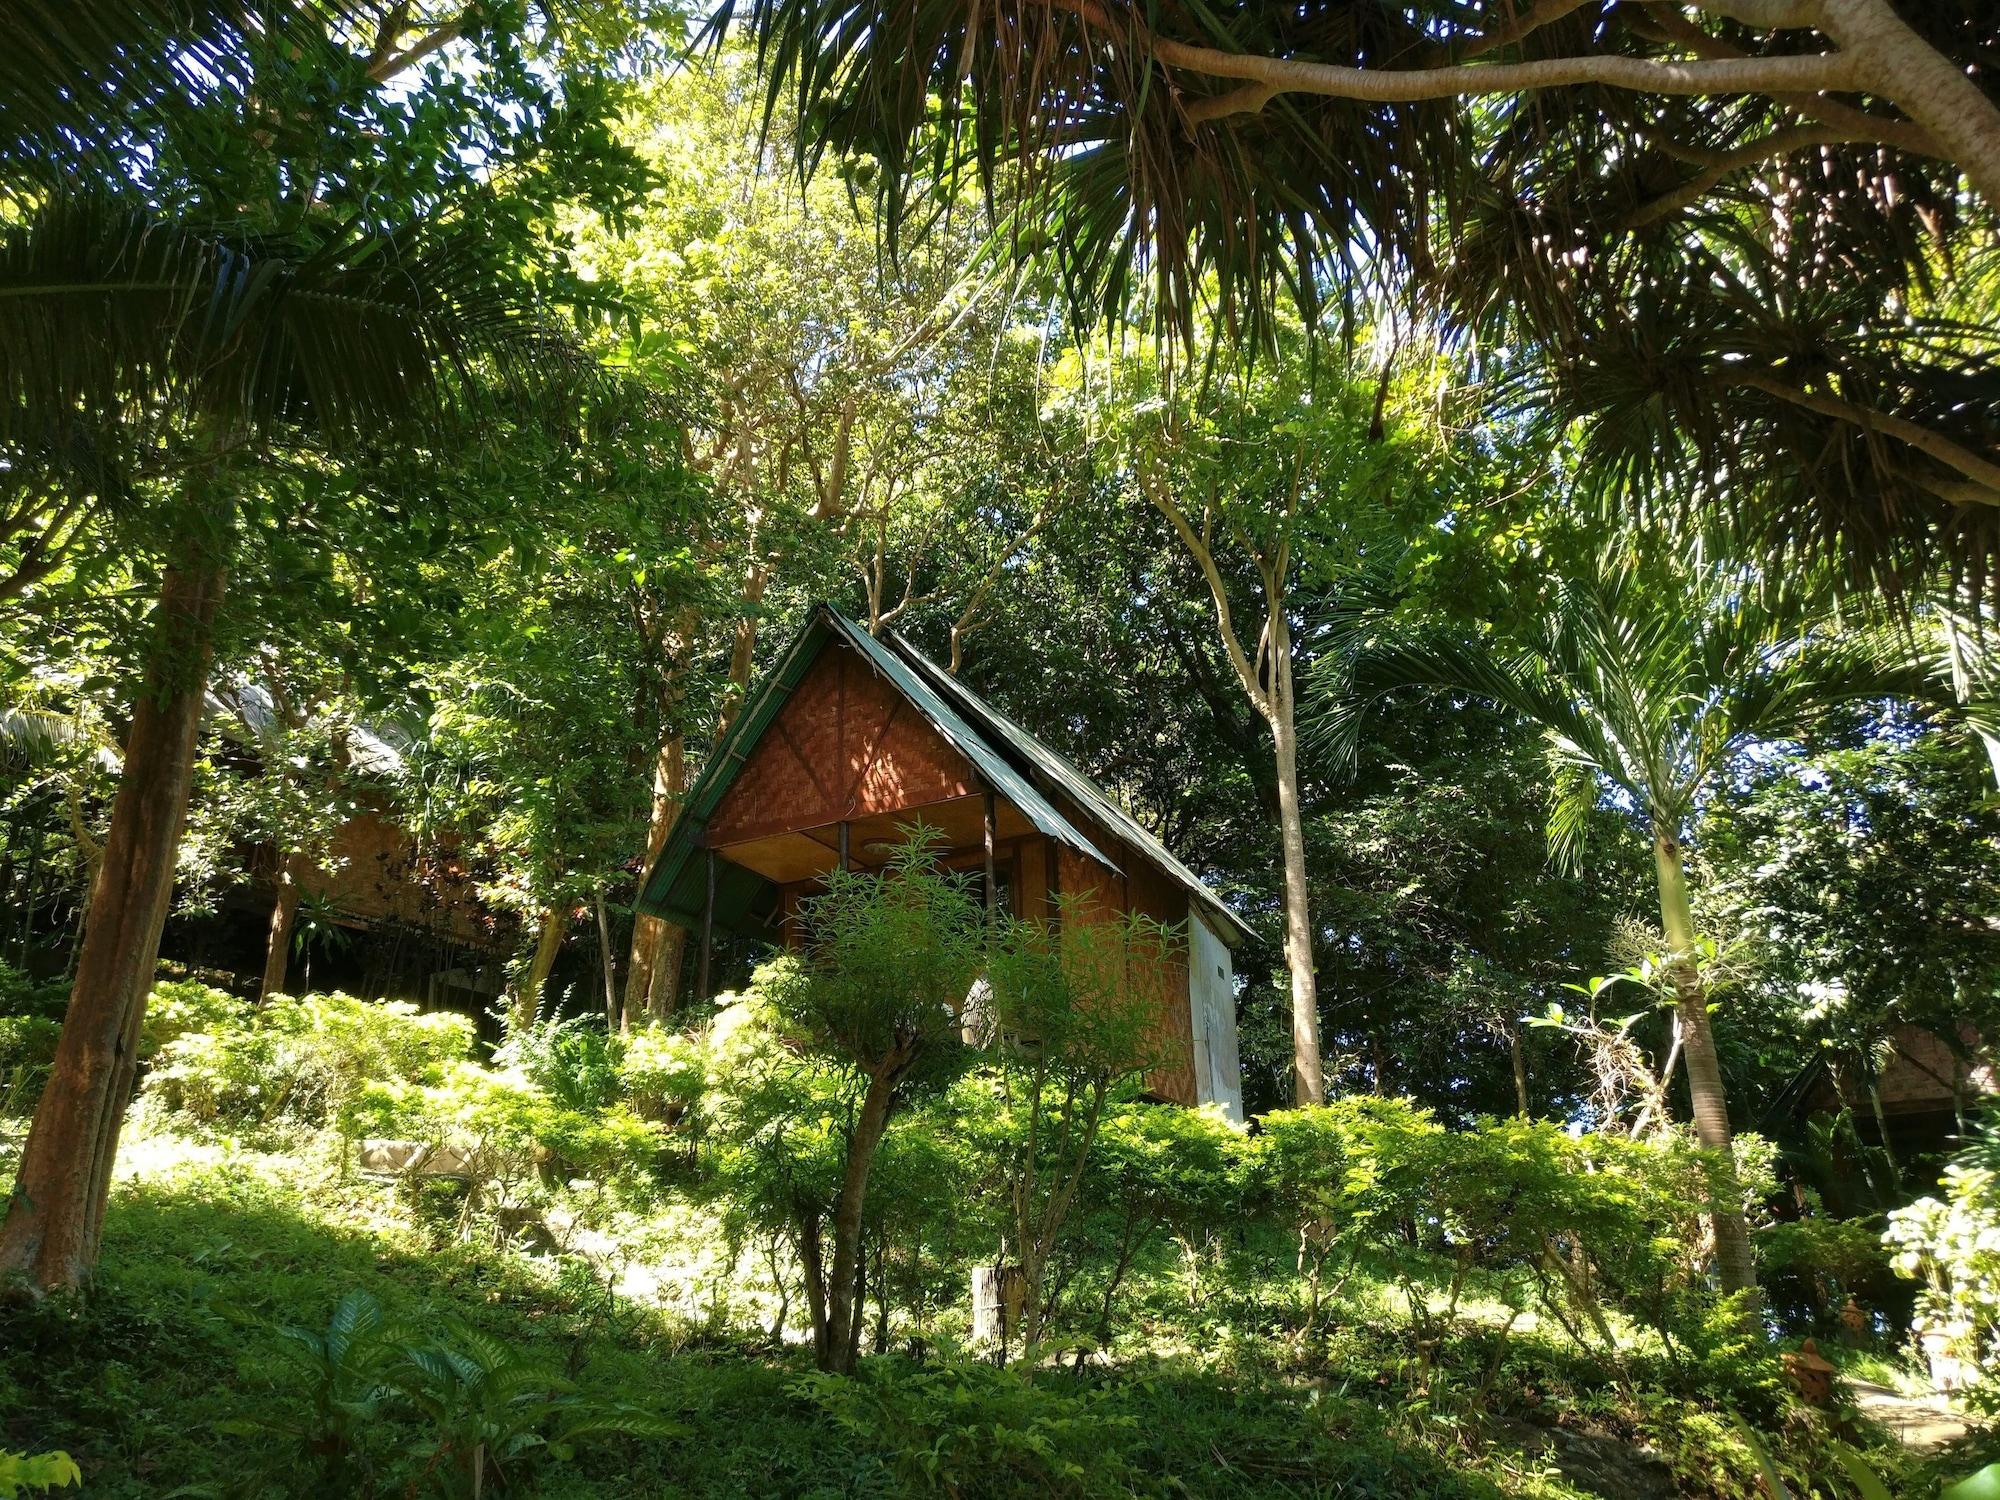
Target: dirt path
{"points": [[1919, 1422]]}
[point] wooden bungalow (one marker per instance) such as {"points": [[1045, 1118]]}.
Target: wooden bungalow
{"points": [[850, 739]]}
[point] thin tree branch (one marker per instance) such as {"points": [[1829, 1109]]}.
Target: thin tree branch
{"points": [[1198, 546], [1724, 164], [1542, 13], [417, 51]]}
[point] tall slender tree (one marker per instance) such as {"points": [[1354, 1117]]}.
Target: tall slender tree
{"points": [[1650, 680]]}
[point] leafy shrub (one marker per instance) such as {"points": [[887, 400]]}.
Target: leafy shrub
{"points": [[492, 1413], [574, 1061], [1569, 1221], [964, 1429], [1162, 1170], [1952, 1246], [505, 1132], [302, 1061], [31, 1012], [36, 1473], [23, 995], [662, 1073], [1829, 1257], [180, 1006]]}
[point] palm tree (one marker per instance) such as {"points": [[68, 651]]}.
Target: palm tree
{"points": [[193, 355], [1655, 680]]}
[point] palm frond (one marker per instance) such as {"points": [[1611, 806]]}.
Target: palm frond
{"points": [[1101, 155], [107, 313], [1654, 674], [73, 76]]}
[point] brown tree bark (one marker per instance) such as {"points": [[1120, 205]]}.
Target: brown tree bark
{"points": [[836, 1354], [1517, 1055], [1309, 1085], [548, 944], [652, 979], [284, 915], [55, 1218]]}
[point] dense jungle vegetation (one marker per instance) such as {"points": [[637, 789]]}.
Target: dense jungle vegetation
{"points": [[1506, 493]]}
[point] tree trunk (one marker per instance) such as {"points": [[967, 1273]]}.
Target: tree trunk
{"points": [[1309, 1086], [1517, 1055], [1734, 1262], [652, 979], [837, 1353], [604, 968], [812, 1264], [528, 993], [743, 654], [56, 1215], [284, 913]]}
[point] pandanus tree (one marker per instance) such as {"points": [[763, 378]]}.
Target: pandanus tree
{"points": [[1755, 232], [1651, 682]]}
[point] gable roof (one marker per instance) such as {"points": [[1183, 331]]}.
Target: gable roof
{"points": [[1054, 769], [1013, 763]]}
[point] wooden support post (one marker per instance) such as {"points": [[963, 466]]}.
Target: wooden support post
{"points": [[992, 829], [707, 930], [844, 865]]}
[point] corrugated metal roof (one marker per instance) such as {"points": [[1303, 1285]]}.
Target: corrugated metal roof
{"points": [[1011, 760], [1056, 768]]}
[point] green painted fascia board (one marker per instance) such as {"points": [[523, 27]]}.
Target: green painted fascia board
{"points": [[666, 878]]}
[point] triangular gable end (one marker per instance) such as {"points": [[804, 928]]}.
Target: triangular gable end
{"points": [[676, 889], [845, 744]]}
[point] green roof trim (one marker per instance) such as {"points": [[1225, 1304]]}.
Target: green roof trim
{"points": [[1012, 762]]}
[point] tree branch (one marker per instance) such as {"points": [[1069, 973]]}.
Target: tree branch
{"points": [[1806, 73], [1904, 135], [962, 626], [1542, 13], [1725, 164], [1205, 557], [1983, 472], [439, 36]]}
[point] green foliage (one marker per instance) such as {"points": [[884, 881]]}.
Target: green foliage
{"points": [[1951, 1245], [662, 1074], [1579, 1225], [1068, 1027], [179, 1006], [966, 1429], [888, 960], [36, 1473], [304, 1061], [27, 1050], [1833, 1256], [574, 1061], [493, 1413]]}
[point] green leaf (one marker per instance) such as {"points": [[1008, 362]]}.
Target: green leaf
{"points": [[1985, 1485]]}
